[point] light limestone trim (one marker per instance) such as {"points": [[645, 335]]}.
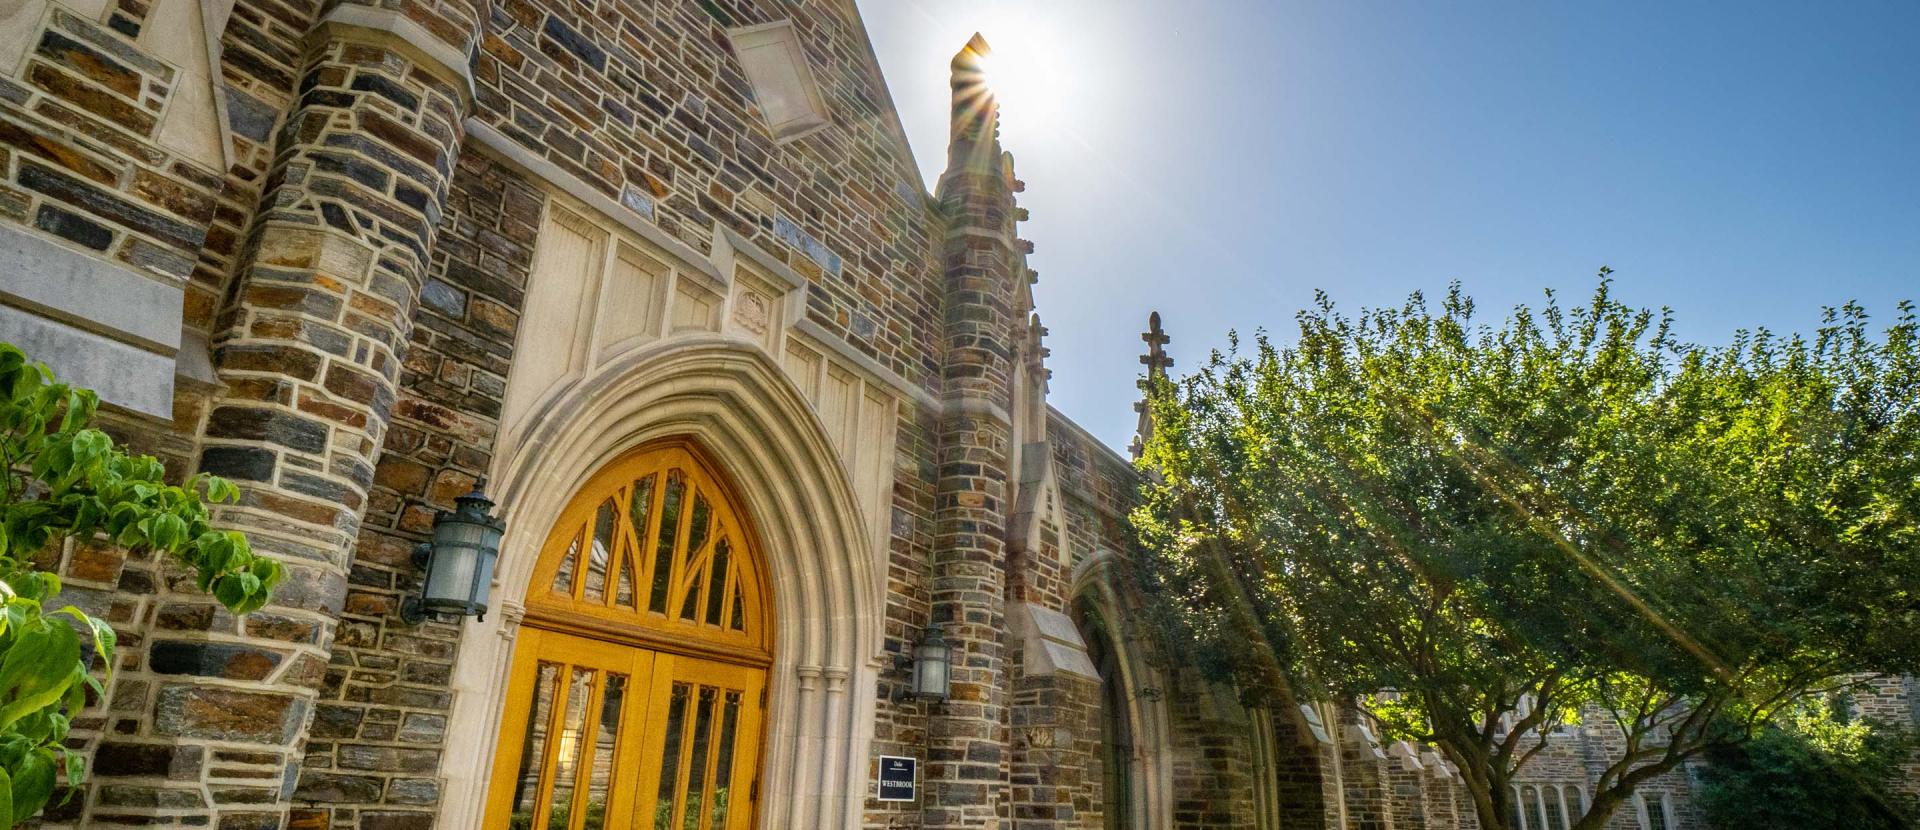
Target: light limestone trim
{"points": [[86, 292], [510, 151], [818, 335], [214, 16], [432, 52], [506, 149], [194, 363], [734, 400], [1052, 645], [729, 244], [97, 323], [1358, 734], [122, 375], [782, 33], [964, 404]]}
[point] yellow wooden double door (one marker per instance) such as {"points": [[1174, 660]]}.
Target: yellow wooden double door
{"points": [[620, 737], [635, 698]]}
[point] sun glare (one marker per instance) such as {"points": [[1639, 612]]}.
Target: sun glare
{"points": [[1030, 73]]}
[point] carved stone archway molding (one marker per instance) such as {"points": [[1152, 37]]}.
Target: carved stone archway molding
{"points": [[732, 399]]}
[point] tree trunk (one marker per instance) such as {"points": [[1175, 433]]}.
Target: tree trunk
{"points": [[1491, 816], [1600, 810]]}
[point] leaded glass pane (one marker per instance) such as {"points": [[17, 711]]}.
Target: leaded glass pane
{"points": [[723, 765], [669, 528], [1656, 811], [697, 767], [670, 759], [601, 557], [738, 623], [717, 582], [533, 748], [572, 746], [605, 741], [563, 578]]}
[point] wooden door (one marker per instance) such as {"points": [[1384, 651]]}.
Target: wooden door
{"points": [[580, 708], [704, 732], [636, 695]]}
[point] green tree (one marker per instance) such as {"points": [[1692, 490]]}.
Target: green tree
{"points": [[67, 481], [1817, 768], [1482, 533]]}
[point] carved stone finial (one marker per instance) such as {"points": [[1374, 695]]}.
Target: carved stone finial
{"points": [[1157, 363]]}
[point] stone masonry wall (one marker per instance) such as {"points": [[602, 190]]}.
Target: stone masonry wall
{"points": [[646, 102], [381, 718], [81, 159]]}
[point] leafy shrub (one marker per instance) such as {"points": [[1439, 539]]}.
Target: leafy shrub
{"points": [[1819, 769], [65, 480]]}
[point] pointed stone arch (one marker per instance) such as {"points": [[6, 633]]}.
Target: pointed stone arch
{"points": [[1094, 585], [737, 405]]}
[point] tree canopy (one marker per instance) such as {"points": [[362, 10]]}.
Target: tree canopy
{"points": [[1481, 532]]}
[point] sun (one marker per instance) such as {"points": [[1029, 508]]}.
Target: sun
{"points": [[1030, 74]]}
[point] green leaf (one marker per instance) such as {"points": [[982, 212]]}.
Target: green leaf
{"points": [[32, 784], [6, 795], [36, 670]]}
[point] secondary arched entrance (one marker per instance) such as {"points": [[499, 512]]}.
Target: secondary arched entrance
{"points": [[635, 699]]}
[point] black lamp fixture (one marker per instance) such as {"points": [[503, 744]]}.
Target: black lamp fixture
{"points": [[931, 663], [457, 565]]}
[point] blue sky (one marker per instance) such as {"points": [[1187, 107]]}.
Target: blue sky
{"points": [[1743, 163]]}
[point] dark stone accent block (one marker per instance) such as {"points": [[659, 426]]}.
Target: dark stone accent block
{"points": [[330, 788], [396, 821], [80, 58], [244, 463], [234, 662], [388, 90], [69, 226], [215, 713], [109, 107], [360, 171], [107, 206], [56, 151], [250, 117], [179, 763], [282, 428], [121, 50], [574, 42]]}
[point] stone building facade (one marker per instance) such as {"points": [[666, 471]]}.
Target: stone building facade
{"points": [[362, 258]]}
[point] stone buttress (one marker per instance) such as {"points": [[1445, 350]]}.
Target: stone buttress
{"points": [[307, 352], [967, 737]]}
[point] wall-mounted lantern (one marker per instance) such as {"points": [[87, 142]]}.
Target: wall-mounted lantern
{"points": [[931, 664], [457, 565]]}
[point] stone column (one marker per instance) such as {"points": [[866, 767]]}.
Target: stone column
{"points": [[308, 352], [967, 736]]}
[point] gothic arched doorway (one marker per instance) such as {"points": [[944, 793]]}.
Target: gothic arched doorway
{"points": [[635, 693], [1121, 805]]}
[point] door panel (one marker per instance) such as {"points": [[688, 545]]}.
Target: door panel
{"points": [[571, 721], [698, 766]]}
